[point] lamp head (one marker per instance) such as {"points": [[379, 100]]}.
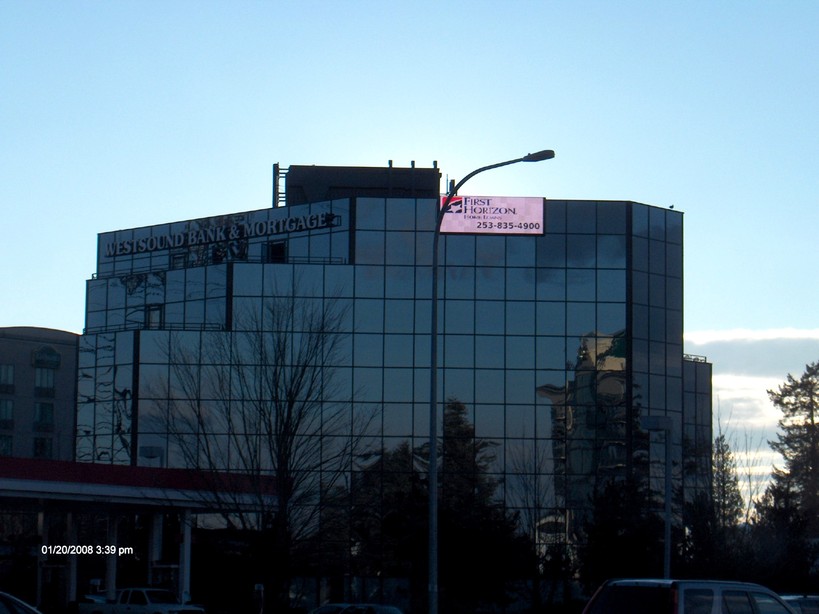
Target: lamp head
{"points": [[546, 154]]}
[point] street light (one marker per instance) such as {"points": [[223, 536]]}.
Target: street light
{"points": [[546, 154], [665, 424]]}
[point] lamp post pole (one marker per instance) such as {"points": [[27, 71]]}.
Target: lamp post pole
{"points": [[546, 154], [664, 424]]}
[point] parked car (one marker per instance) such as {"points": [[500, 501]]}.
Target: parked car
{"points": [[138, 601], [356, 608], [11, 605], [647, 596], [803, 604]]}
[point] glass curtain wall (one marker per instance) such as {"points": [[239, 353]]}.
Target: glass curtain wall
{"points": [[553, 347]]}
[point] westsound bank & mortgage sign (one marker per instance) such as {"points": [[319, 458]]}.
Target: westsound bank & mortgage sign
{"points": [[506, 215], [215, 230]]}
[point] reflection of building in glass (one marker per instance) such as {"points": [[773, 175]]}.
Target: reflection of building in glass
{"points": [[37, 392], [557, 344], [590, 415]]}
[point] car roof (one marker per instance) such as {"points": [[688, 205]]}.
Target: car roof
{"points": [[677, 582]]}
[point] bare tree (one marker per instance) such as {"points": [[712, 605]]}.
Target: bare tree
{"points": [[260, 412]]}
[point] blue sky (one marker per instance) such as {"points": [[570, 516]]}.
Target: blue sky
{"points": [[122, 114]]}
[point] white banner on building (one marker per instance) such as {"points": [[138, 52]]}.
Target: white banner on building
{"points": [[505, 215]]}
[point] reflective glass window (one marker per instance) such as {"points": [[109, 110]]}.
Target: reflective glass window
{"points": [[247, 281], [400, 248], [656, 256], [581, 251], [520, 352], [520, 386], [216, 281], [551, 284], [657, 293], [96, 295], [369, 213], [398, 316], [489, 386], [490, 282], [369, 315], [277, 280], [639, 321], [657, 394], [490, 251], [459, 317], [460, 250], [550, 318], [639, 220], [339, 281], [520, 422], [580, 284], [489, 318], [195, 283], [398, 350], [367, 383], [194, 313], [674, 228], [460, 282], [398, 385], [551, 353], [459, 384], [520, 284], [426, 213], [656, 357], [368, 350], [459, 351], [611, 251], [520, 318], [556, 216], [611, 217], [400, 281], [96, 320], [520, 251], [369, 281], [656, 218], [489, 352], [309, 280], [319, 246], [582, 217], [401, 213], [611, 318], [116, 294], [154, 346], [639, 287], [580, 319], [489, 421], [398, 419], [639, 253], [423, 249], [656, 327], [673, 322], [673, 261], [369, 247], [423, 317], [551, 251], [611, 285]]}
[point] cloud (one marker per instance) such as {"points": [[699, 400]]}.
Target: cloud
{"points": [[746, 364], [774, 353]]}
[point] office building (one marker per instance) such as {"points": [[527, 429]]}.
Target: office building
{"points": [[557, 342], [38, 384]]}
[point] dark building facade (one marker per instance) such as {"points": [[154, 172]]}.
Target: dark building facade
{"points": [[38, 391], [557, 345]]}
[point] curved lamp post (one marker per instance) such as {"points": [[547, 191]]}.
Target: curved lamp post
{"points": [[546, 154]]}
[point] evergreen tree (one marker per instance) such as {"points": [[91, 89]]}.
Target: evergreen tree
{"points": [[798, 443], [728, 503], [480, 549]]}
